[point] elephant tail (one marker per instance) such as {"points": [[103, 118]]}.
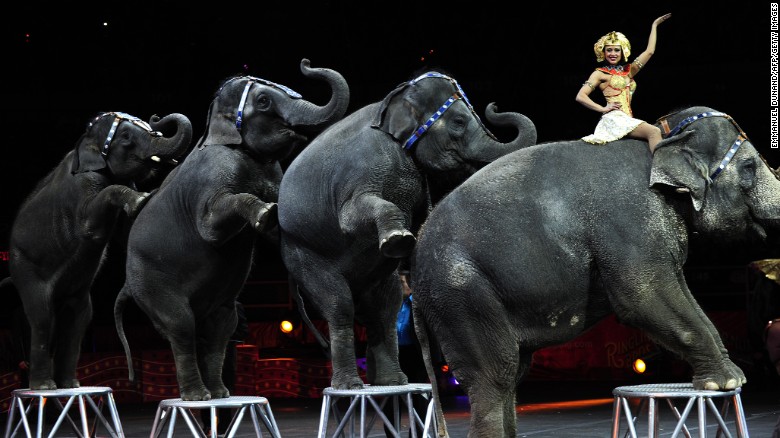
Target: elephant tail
{"points": [[119, 307], [296, 292], [421, 329]]}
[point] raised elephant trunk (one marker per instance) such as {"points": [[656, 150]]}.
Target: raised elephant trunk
{"points": [[175, 145], [303, 113], [526, 134]]}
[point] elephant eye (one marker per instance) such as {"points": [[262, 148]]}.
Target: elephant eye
{"points": [[263, 102], [459, 123], [748, 174]]}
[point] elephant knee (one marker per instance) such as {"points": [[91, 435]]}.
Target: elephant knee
{"points": [[687, 338]]}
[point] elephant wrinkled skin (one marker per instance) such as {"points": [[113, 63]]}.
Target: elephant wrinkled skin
{"points": [[191, 248], [62, 229], [350, 203], [543, 243]]}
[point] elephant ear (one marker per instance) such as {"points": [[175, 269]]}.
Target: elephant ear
{"points": [[396, 116], [678, 166], [86, 156], [220, 128]]}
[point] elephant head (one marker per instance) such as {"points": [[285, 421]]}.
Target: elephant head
{"points": [[263, 117], [130, 150], [705, 154], [460, 143]]}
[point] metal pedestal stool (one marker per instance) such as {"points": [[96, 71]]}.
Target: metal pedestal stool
{"points": [[650, 394], [258, 407], [376, 397], [82, 397]]}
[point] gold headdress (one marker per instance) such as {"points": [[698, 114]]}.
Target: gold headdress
{"points": [[612, 39]]}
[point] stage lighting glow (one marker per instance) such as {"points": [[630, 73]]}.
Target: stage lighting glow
{"points": [[445, 368], [286, 326], [640, 366]]}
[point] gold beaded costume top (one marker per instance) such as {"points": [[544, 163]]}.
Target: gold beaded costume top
{"points": [[620, 87]]}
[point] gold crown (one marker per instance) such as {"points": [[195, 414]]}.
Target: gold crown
{"points": [[612, 39]]}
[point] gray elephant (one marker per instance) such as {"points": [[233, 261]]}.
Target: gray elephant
{"points": [[191, 248], [61, 232], [543, 243], [350, 203]]}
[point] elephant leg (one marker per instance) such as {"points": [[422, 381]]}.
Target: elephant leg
{"points": [[210, 362], [735, 370], [344, 361], [212, 345], [482, 349], [41, 374], [220, 222], [39, 309], [191, 385], [395, 239], [510, 402], [175, 320], [72, 320], [330, 294], [492, 391], [378, 309], [671, 320]]}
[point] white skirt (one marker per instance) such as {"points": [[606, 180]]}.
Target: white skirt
{"points": [[612, 126]]}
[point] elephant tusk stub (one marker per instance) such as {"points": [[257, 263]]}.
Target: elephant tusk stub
{"points": [[157, 159]]}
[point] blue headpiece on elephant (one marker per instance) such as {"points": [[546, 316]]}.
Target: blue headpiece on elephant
{"points": [[243, 97], [398, 128], [682, 163], [105, 145], [410, 111]]}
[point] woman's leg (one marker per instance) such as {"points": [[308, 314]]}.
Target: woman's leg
{"points": [[647, 132]]}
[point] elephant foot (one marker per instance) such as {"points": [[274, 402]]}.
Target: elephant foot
{"points": [[267, 217], [42, 384], [729, 377], [134, 204], [68, 383], [349, 383], [397, 244], [391, 379], [220, 392], [201, 394]]}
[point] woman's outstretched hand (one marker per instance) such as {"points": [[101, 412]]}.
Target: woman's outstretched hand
{"points": [[661, 19]]}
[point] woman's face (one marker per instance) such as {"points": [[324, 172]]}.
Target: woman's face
{"points": [[612, 54]]}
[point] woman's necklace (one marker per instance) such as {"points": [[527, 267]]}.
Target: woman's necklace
{"points": [[615, 68]]}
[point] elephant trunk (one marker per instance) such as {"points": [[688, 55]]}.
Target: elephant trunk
{"points": [[304, 113], [174, 145], [526, 134]]}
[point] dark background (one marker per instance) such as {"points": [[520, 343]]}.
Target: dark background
{"points": [[62, 65]]}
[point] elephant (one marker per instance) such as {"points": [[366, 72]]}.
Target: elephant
{"points": [[541, 244], [191, 248], [350, 203], [62, 230]]}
